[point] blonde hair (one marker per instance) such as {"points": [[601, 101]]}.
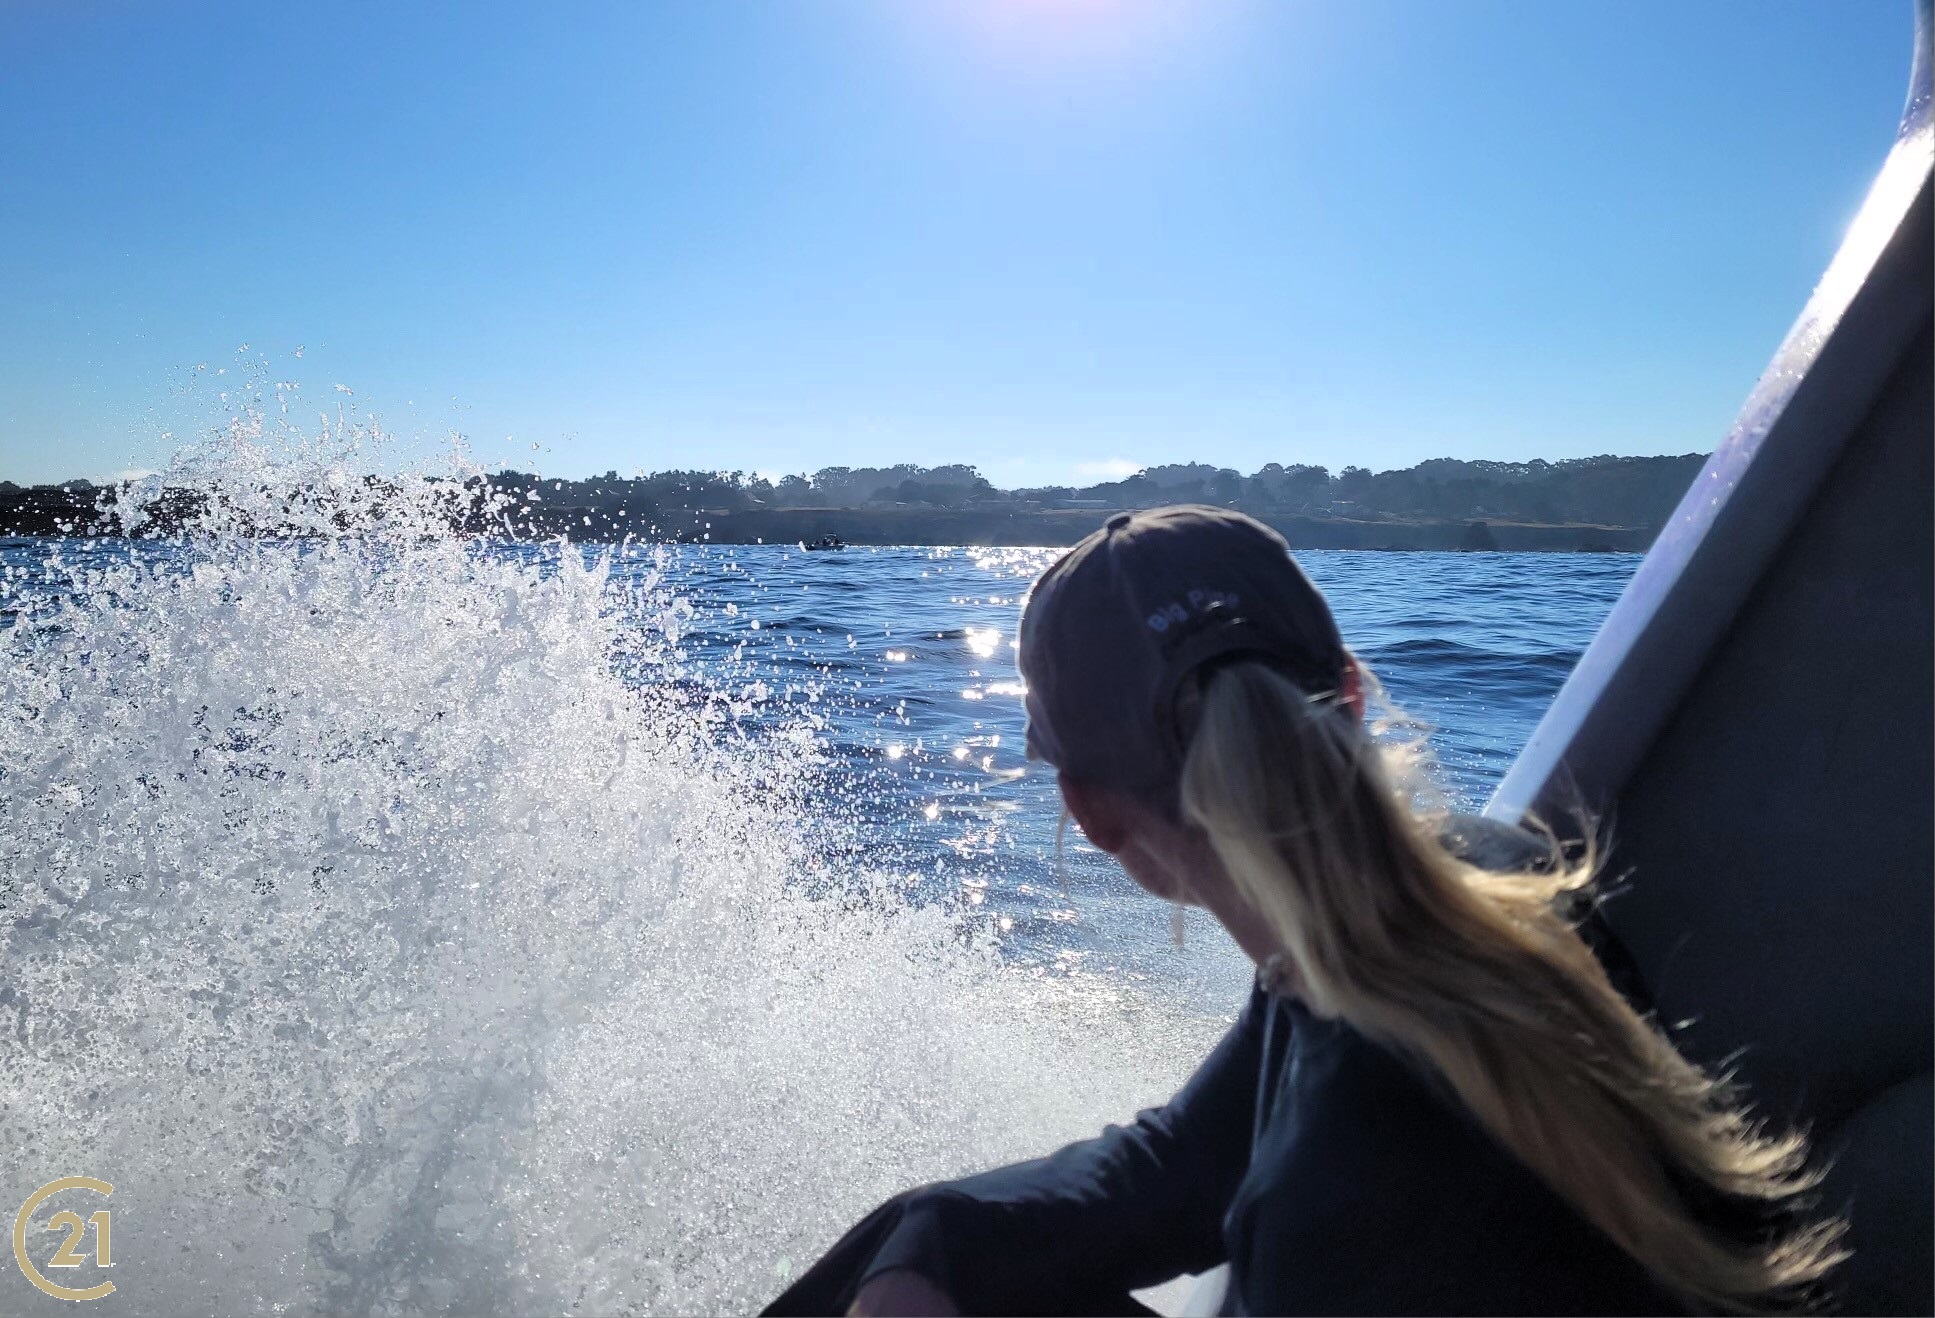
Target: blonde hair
{"points": [[1482, 977]]}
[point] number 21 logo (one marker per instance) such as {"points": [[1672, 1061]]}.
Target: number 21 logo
{"points": [[68, 1255]]}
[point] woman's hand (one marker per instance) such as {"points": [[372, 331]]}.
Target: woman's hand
{"points": [[901, 1293]]}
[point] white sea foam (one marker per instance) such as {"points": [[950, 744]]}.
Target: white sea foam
{"points": [[388, 952]]}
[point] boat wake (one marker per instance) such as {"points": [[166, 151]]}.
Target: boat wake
{"points": [[388, 950]]}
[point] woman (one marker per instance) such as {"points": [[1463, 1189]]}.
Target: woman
{"points": [[1436, 1100]]}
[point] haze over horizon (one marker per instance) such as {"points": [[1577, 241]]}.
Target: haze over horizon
{"points": [[1059, 240]]}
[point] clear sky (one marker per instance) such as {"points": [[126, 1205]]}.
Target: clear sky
{"points": [[1059, 239]]}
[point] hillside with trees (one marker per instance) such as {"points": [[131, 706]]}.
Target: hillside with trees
{"points": [[1601, 502]]}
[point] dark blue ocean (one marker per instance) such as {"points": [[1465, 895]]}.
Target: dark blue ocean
{"points": [[905, 657]]}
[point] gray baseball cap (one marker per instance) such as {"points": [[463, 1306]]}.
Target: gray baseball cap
{"points": [[1113, 627]]}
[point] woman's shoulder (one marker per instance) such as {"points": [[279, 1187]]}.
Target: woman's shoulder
{"points": [[1373, 1189], [1344, 1090], [1493, 844]]}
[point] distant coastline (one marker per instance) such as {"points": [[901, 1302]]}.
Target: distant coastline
{"points": [[1608, 504], [1059, 528]]}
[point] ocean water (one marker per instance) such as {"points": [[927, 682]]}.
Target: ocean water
{"points": [[409, 924]]}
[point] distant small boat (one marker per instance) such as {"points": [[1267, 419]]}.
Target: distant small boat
{"points": [[824, 542]]}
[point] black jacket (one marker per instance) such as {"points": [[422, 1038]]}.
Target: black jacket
{"points": [[1331, 1174]]}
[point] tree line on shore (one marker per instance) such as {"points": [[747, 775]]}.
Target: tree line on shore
{"points": [[1635, 493], [1598, 491]]}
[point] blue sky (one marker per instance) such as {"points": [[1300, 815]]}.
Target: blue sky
{"points": [[1056, 238]]}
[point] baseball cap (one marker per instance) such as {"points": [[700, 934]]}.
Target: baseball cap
{"points": [[1113, 627]]}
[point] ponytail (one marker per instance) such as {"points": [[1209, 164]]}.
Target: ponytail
{"points": [[1482, 978]]}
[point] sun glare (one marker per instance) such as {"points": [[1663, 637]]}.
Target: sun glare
{"points": [[1062, 33]]}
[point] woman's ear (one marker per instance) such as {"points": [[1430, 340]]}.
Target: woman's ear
{"points": [[1351, 689], [1097, 812]]}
